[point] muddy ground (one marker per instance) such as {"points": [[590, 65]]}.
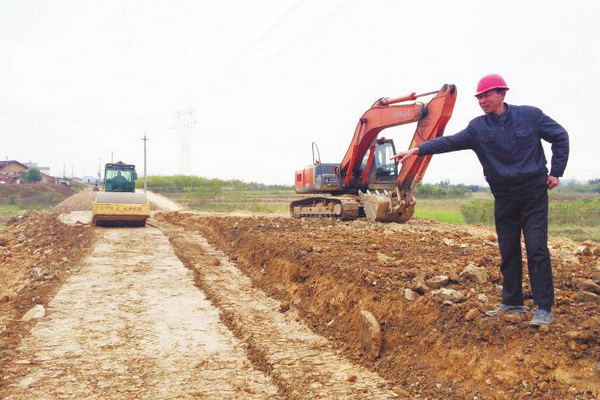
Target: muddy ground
{"points": [[320, 309]]}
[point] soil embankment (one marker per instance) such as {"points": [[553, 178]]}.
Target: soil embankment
{"points": [[427, 285]]}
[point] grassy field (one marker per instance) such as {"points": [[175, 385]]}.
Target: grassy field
{"points": [[264, 201], [446, 210], [443, 210], [18, 198]]}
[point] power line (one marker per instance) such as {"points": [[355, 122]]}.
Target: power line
{"points": [[303, 35], [254, 44], [32, 110]]}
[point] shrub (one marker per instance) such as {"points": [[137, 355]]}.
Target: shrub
{"points": [[478, 212]]}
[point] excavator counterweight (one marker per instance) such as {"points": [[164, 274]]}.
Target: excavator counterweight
{"points": [[367, 181]]}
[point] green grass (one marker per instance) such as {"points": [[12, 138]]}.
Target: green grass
{"points": [[8, 211], [254, 206], [575, 232], [443, 210], [447, 216]]}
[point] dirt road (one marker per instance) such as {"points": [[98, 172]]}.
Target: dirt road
{"points": [[131, 324]]}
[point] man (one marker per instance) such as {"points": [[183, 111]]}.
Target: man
{"points": [[507, 141]]}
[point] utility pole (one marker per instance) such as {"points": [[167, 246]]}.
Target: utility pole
{"points": [[145, 139]]}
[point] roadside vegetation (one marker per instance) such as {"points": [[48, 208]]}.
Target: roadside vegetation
{"points": [[199, 193], [574, 209], [29, 196]]}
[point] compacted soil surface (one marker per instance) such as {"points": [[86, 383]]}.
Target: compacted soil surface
{"points": [[254, 307]]}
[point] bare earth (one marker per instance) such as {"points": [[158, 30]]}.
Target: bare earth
{"points": [[248, 307]]}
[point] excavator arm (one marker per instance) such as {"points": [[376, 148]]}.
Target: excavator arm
{"points": [[398, 206], [385, 113], [379, 117]]}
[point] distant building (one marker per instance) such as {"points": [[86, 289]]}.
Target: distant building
{"points": [[10, 172], [45, 170], [12, 166], [47, 178]]}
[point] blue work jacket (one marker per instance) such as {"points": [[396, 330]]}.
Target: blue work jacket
{"points": [[510, 153]]}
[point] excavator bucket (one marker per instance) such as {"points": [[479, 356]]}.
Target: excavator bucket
{"points": [[384, 206], [120, 208]]}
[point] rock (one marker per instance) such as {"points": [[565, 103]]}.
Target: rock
{"points": [[409, 294], [437, 281], [567, 257], [351, 378], [472, 314], [513, 318], [37, 272], [35, 312], [448, 242], [588, 285], [476, 274], [582, 336], [588, 297], [383, 258], [453, 276], [419, 286], [592, 322], [316, 385], [285, 306], [449, 295], [596, 273], [370, 334], [583, 250], [482, 298], [26, 382]]}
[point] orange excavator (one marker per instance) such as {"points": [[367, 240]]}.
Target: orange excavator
{"points": [[367, 181]]}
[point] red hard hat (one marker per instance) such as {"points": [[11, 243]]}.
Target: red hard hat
{"points": [[489, 82]]}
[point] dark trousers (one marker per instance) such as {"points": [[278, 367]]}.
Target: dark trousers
{"points": [[524, 208]]}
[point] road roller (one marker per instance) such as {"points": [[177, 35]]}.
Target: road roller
{"points": [[117, 203]]}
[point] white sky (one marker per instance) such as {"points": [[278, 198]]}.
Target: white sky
{"points": [[81, 79]]}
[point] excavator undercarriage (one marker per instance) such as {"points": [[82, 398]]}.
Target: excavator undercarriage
{"points": [[343, 207]]}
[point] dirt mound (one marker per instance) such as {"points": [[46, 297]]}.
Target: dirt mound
{"points": [[439, 344], [33, 194], [81, 201], [37, 252]]}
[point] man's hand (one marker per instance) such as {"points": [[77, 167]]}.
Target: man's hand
{"points": [[404, 155], [552, 181]]}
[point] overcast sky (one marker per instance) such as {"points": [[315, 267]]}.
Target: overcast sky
{"points": [[254, 83]]}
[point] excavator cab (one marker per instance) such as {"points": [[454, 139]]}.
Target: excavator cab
{"points": [[383, 169]]}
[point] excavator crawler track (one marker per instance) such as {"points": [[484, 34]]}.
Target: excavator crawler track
{"points": [[340, 207]]}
